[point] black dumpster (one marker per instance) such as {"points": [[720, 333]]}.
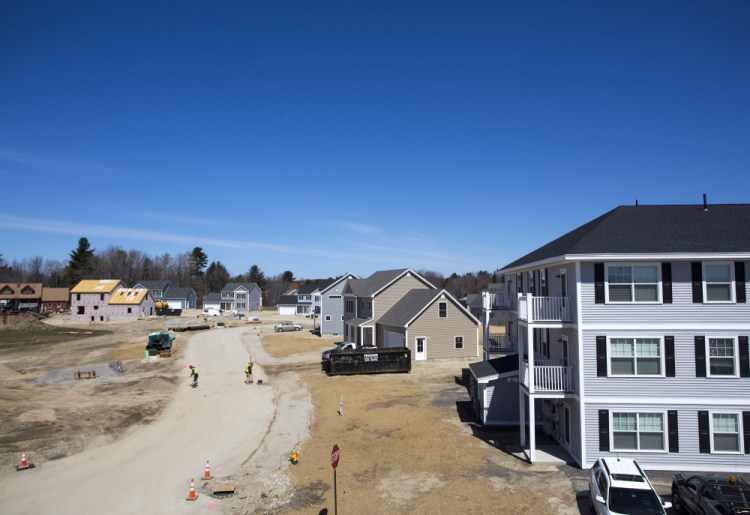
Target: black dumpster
{"points": [[369, 361]]}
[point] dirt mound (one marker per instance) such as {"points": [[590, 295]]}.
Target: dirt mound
{"points": [[25, 323]]}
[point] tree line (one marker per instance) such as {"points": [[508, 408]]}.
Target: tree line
{"points": [[188, 269]]}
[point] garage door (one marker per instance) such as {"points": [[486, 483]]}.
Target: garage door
{"points": [[391, 339], [287, 310]]}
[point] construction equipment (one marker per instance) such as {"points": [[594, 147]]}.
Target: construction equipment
{"points": [[159, 343]]}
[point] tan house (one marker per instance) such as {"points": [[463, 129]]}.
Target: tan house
{"points": [[20, 296], [395, 308], [55, 300]]}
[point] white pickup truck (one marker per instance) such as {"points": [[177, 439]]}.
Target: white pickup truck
{"points": [[342, 346], [211, 312]]}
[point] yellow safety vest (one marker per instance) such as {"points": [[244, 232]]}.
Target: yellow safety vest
{"points": [[195, 371], [248, 368]]}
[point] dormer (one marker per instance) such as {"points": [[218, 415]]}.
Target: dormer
{"points": [[28, 290], [7, 290]]}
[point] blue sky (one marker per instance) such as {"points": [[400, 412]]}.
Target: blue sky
{"points": [[334, 136]]}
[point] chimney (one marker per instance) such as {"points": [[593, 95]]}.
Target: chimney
{"points": [[705, 204]]}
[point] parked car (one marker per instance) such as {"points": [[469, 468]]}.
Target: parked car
{"points": [[286, 325], [710, 495], [339, 347], [211, 312], [620, 486]]}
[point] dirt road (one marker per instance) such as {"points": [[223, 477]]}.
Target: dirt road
{"points": [[149, 469]]}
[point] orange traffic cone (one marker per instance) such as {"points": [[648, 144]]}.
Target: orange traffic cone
{"points": [[192, 496], [24, 464], [207, 474]]}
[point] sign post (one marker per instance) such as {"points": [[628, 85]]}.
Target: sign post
{"points": [[335, 463]]}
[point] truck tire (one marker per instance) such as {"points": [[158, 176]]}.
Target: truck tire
{"points": [[677, 502]]}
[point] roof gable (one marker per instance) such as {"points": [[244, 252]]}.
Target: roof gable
{"points": [[231, 287], [178, 293], [380, 280], [659, 229], [96, 286], [414, 303], [153, 285]]}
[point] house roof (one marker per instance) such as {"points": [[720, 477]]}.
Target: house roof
{"points": [[178, 293], [653, 230], [154, 285], [474, 300], [55, 294], [129, 296], [413, 303], [17, 290], [493, 368], [287, 300], [234, 286], [212, 298], [96, 286], [358, 321], [330, 284], [307, 289], [379, 280]]}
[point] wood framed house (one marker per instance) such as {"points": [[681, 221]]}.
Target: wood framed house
{"points": [[332, 305], [89, 299], [629, 337], [131, 303], [242, 297]]}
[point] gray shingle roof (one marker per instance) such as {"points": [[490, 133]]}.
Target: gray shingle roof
{"points": [[178, 293], [374, 283], [212, 298], [474, 300], [495, 366], [345, 277], [233, 286], [408, 307], [307, 289], [154, 285], [654, 229], [287, 300]]}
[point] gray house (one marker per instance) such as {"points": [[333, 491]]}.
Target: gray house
{"points": [[241, 297], [332, 305], [156, 288], [628, 336], [180, 298]]}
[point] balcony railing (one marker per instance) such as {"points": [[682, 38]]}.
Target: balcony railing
{"points": [[543, 309], [499, 343], [547, 378], [499, 301]]}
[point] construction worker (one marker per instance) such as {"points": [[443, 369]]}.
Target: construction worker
{"points": [[194, 374], [249, 371]]}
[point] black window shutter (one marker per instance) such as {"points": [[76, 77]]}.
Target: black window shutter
{"points": [[697, 282], [700, 356], [739, 281], [669, 355], [604, 430], [704, 437], [746, 427], [599, 283], [601, 356], [744, 357], [674, 441], [666, 282]]}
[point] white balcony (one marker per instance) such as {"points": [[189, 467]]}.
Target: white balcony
{"points": [[499, 301], [548, 377], [543, 309]]}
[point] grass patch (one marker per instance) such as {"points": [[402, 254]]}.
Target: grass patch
{"points": [[46, 335]]}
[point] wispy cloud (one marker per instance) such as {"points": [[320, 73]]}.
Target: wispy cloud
{"points": [[56, 163], [358, 228]]}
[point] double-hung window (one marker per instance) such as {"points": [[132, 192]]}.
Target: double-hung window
{"points": [[442, 309], [459, 342], [725, 432], [717, 282], [635, 356], [722, 357], [638, 431], [633, 283]]}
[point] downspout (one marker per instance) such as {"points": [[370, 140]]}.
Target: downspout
{"points": [[581, 396]]}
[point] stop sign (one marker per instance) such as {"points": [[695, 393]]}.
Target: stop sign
{"points": [[335, 456]]}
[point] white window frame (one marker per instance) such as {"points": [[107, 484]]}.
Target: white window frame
{"points": [[455, 342], [740, 433], [440, 310], [665, 430], [658, 284], [610, 355], [705, 284], [735, 350]]}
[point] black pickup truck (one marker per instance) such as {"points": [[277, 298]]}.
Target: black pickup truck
{"points": [[710, 495]]}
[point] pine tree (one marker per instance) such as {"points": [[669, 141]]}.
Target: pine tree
{"points": [[81, 264]]}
